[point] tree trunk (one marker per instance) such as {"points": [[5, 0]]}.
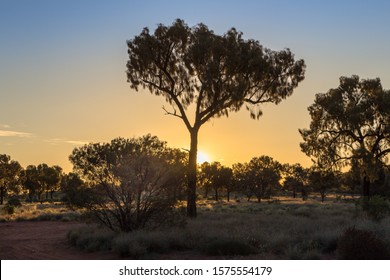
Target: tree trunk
{"points": [[2, 193], [216, 194], [228, 196], [366, 192], [191, 188], [366, 187]]}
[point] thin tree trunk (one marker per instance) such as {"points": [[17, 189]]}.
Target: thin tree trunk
{"points": [[366, 192], [2, 193], [366, 187], [191, 188]]}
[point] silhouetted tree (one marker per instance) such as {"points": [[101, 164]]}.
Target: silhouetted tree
{"points": [[226, 180], [10, 172], [77, 193], [265, 174], [257, 178], [128, 180], [215, 176], [32, 183], [243, 179], [323, 180], [205, 178], [295, 179], [218, 74], [350, 123]]}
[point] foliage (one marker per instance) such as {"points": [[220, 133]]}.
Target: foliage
{"points": [[14, 201], [295, 179], [215, 176], [9, 209], [128, 179], [356, 244], [323, 180], [77, 194], [89, 239], [10, 174], [377, 208], [42, 179], [259, 177], [350, 126], [217, 74]]}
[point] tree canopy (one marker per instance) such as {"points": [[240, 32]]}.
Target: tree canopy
{"points": [[128, 180], [349, 125], [217, 74], [10, 172]]}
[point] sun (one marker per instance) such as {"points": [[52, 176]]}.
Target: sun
{"points": [[202, 157]]}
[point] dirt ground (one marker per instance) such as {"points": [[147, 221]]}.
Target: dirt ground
{"points": [[44, 240]]}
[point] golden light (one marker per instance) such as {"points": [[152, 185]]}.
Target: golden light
{"points": [[202, 157]]}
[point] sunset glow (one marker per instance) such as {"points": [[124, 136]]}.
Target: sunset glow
{"points": [[71, 88], [202, 157]]}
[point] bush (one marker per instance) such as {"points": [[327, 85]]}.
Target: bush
{"points": [[355, 244], [9, 209], [228, 248], [91, 239], [126, 246], [14, 201], [376, 208]]}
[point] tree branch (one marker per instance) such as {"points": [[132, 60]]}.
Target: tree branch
{"points": [[172, 114]]}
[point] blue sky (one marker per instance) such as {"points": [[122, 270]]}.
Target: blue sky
{"points": [[63, 82]]}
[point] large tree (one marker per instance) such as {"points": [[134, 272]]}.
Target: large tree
{"points": [[217, 74], [350, 126]]}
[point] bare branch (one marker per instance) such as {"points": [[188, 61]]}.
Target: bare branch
{"points": [[172, 114]]}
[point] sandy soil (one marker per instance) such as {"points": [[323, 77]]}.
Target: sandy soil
{"points": [[42, 241]]}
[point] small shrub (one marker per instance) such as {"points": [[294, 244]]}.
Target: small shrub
{"points": [[126, 246], [9, 209], [14, 201], [355, 244], [376, 208], [228, 248], [154, 242], [91, 239]]}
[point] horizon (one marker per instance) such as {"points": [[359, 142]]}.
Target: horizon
{"points": [[63, 81]]}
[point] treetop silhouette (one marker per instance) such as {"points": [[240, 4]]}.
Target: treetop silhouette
{"points": [[217, 74]]}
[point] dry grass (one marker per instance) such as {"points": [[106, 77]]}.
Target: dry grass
{"points": [[40, 212], [287, 229], [283, 228]]}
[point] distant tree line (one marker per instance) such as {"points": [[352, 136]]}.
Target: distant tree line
{"points": [[104, 172], [36, 183]]}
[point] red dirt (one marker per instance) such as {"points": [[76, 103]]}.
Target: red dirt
{"points": [[42, 241]]}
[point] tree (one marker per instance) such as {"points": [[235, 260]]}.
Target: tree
{"points": [[10, 172], [295, 178], [257, 178], [323, 180], [216, 176], [266, 174], [216, 74], [77, 193], [243, 180], [31, 182], [128, 181], [350, 125], [50, 178]]}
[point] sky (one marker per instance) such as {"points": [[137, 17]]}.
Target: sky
{"points": [[63, 82]]}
